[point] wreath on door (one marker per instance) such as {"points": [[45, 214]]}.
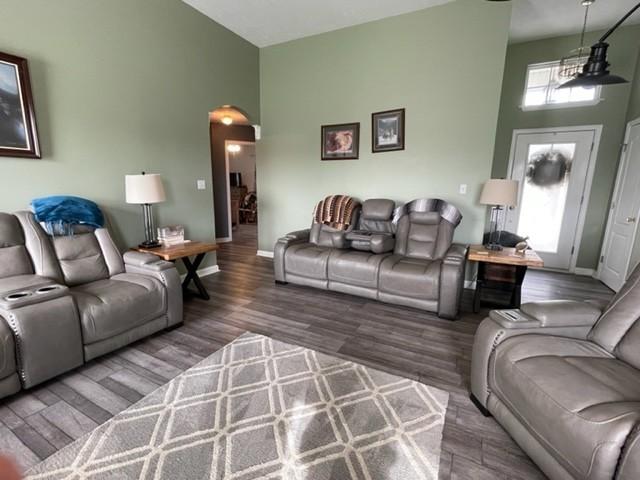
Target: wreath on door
{"points": [[548, 169]]}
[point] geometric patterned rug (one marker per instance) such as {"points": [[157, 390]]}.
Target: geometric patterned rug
{"points": [[259, 408]]}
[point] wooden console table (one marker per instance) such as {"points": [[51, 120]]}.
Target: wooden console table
{"points": [[501, 270], [183, 251]]}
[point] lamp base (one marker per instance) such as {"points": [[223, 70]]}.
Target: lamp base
{"points": [[150, 244], [494, 247]]}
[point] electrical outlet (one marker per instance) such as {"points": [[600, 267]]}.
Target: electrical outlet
{"points": [[463, 189], [201, 184]]}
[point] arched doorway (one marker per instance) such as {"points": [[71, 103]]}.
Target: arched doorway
{"points": [[233, 165]]}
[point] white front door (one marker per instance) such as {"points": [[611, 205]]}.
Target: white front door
{"points": [[554, 170], [623, 218]]}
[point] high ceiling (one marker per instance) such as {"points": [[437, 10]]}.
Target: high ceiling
{"points": [[267, 22], [535, 19]]}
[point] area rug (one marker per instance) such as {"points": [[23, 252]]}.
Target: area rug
{"points": [[259, 408]]}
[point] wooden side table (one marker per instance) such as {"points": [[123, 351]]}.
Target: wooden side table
{"points": [[501, 270], [183, 251]]}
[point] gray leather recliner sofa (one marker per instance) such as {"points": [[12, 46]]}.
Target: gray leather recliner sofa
{"points": [[420, 268], [65, 300], [563, 378]]}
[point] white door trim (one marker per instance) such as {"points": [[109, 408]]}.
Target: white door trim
{"points": [[616, 190], [593, 158], [228, 180]]}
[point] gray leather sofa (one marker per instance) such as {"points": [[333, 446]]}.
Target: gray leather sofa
{"points": [[65, 300], [563, 378], [410, 262]]}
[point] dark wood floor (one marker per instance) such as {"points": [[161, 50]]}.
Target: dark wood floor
{"points": [[35, 424]]}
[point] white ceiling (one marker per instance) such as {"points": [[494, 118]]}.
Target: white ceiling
{"points": [[535, 19], [267, 22]]}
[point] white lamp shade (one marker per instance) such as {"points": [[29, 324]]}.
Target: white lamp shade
{"points": [[500, 192], [146, 188]]}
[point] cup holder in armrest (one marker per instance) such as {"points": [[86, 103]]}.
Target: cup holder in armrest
{"points": [[31, 295], [48, 288], [12, 297]]}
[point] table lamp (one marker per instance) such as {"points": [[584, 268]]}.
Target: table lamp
{"points": [[498, 193], [145, 190]]}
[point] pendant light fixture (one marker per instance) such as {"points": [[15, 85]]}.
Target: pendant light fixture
{"points": [[572, 64], [596, 70]]}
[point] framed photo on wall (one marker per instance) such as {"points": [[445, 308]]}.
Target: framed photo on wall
{"points": [[18, 131], [387, 131], [341, 142]]}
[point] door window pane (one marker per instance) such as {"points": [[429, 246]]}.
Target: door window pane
{"points": [[544, 194]]}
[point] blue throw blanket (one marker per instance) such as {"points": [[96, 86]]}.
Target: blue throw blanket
{"points": [[60, 213]]}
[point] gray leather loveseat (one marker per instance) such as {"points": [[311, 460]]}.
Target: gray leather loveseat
{"points": [[563, 378], [65, 300], [409, 260]]}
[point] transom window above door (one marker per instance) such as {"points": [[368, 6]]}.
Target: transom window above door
{"points": [[541, 89]]}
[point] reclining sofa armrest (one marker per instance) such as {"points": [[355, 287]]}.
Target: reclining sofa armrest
{"points": [[456, 255], [558, 318], [21, 297], [299, 236], [146, 261], [452, 281], [150, 265], [562, 313], [44, 321]]}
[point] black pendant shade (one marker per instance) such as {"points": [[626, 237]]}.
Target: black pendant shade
{"points": [[595, 71]]}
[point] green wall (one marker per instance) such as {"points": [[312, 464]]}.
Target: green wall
{"points": [[443, 64], [634, 102], [611, 113], [122, 86]]}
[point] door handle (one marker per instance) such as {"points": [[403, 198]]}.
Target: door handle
{"points": [[631, 219]]}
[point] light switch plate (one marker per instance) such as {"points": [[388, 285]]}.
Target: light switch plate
{"points": [[201, 184], [463, 189]]}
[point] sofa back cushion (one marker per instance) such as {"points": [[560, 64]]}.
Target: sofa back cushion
{"points": [[618, 329], [14, 259], [80, 258], [417, 235], [377, 215]]}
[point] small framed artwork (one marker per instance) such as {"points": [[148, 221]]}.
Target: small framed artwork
{"points": [[18, 132], [341, 142], [387, 131]]}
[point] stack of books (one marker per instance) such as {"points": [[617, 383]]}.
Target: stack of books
{"points": [[171, 235]]}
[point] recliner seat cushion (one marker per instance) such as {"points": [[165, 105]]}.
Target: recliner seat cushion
{"points": [[355, 268], [80, 258], [572, 396], [113, 306], [307, 260], [410, 277]]}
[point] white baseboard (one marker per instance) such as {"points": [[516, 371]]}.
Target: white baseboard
{"points": [[265, 253], [203, 272], [587, 272]]}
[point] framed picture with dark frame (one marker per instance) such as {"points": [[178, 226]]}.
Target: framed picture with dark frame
{"points": [[387, 131], [341, 141], [18, 131]]}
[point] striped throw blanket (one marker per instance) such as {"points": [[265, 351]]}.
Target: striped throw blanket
{"points": [[335, 211]]}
